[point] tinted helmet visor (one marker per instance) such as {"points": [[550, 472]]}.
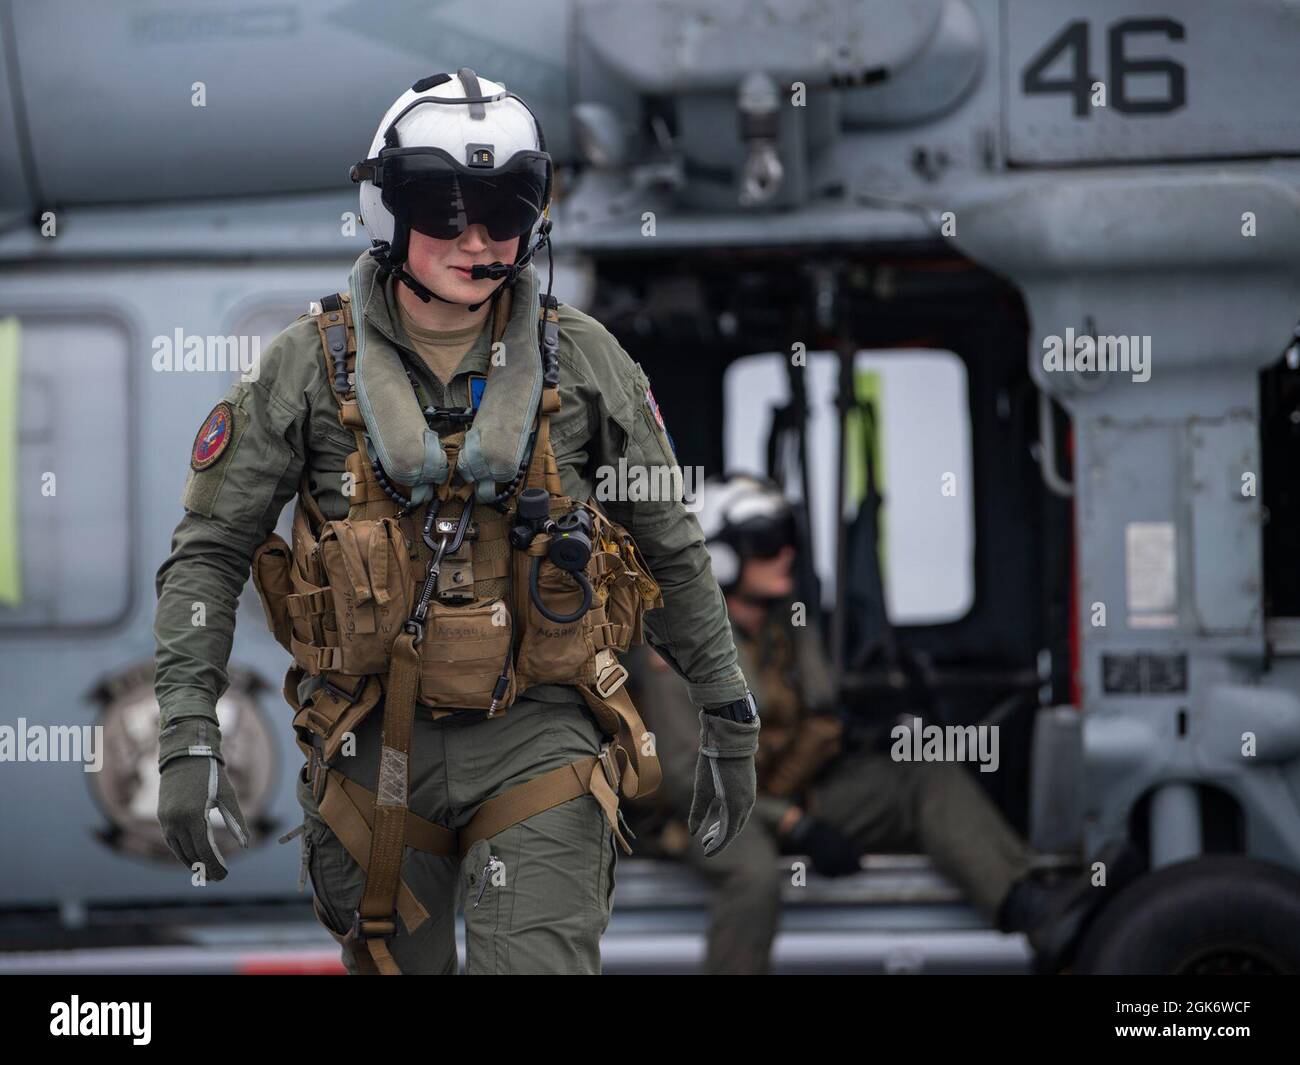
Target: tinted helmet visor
{"points": [[764, 537], [442, 198]]}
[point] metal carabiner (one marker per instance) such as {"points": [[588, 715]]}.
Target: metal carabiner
{"points": [[448, 542], [430, 518], [458, 534]]}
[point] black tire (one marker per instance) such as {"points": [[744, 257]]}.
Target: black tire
{"points": [[1223, 914]]}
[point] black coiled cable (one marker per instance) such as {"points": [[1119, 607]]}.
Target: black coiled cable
{"points": [[385, 484]]}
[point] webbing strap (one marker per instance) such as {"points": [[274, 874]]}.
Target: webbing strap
{"points": [[423, 835], [339, 351], [308, 604], [351, 811], [524, 800], [641, 773], [543, 471], [375, 912], [314, 659], [355, 808], [351, 821]]}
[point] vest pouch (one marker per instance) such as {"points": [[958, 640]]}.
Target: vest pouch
{"points": [[623, 604], [627, 588], [552, 652], [367, 567], [640, 579], [271, 564], [463, 653], [313, 636]]}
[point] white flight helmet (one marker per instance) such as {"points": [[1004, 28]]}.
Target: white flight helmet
{"points": [[743, 517], [451, 152]]}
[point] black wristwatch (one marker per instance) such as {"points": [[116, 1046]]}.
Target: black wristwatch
{"points": [[743, 710]]}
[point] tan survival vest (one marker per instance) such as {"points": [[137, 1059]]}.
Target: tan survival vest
{"points": [[795, 744], [345, 601]]}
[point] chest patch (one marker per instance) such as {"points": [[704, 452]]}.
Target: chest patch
{"points": [[659, 421], [654, 409], [477, 382], [213, 437]]}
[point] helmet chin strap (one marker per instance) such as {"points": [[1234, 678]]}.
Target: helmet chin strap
{"points": [[384, 253]]}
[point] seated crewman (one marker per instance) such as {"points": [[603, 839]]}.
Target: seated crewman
{"points": [[815, 796]]}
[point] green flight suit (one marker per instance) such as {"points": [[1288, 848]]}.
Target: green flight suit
{"points": [[879, 804], [554, 904]]}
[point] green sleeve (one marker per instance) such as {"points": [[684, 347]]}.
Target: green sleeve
{"points": [[231, 506], [665, 706], [691, 632]]}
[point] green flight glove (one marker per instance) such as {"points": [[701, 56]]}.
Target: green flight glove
{"points": [[726, 784], [194, 781]]}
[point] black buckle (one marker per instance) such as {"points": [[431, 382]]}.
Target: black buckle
{"points": [[314, 774], [608, 759], [342, 694], [454, 415], [415, 625], [359, 934], [367, 170]]}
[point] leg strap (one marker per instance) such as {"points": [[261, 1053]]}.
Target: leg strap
{"points": [[380, 826], [375, 921], [350, 810], [550, 789]]}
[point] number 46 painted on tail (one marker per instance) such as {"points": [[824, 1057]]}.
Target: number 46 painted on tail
{"points": [[1074, 40]]}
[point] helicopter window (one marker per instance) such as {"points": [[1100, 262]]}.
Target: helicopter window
{"points": [[919, 454], [65, 481]]}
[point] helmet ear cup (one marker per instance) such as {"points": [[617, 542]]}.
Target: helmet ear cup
{"points": [[726, 563]]}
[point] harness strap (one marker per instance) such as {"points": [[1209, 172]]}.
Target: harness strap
{"points": [[353, 824], [638, 765], [375, 921], [543, 471], [352, 812], [541, 793], [339, 350], [495, 815]]}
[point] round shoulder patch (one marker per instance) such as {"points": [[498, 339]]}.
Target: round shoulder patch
{"points": [[218, 427]]}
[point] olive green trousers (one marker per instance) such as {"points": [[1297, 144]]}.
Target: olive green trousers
{"points": [[536, 896], [936, 808]]}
